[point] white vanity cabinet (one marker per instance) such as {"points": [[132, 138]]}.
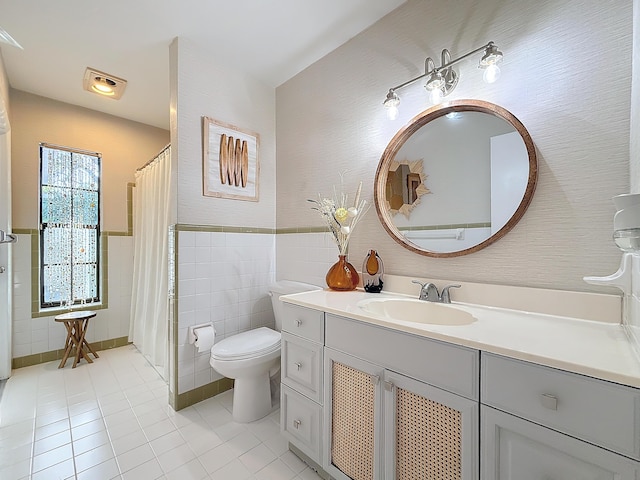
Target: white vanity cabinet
{"points": [[301, 374], [543, 423], [390, 410]]}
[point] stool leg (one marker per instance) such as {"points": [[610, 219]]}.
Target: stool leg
{"points": [[88, 345], [68, 344], [81, 325]]}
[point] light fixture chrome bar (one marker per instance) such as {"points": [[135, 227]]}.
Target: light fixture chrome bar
{"points": [[441, 67]]}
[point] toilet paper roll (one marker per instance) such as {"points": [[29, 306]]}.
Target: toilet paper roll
{"points": [[205, 336]]}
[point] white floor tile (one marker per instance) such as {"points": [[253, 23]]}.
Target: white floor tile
{"points": [[51, 442], [216, 458], [159, 429], [135, 457], [167, 442], [52, 457], [257, 458], [106, 470], [12, 456], [52, 429], [94, 457], [175, 458], [192, 470], [16, 470], [150, 470], [234, 469], [111, 420], [128, 442], [87, 429], [309, 474], [90, 442], [276, 470], [60, 470], [293, 462]]}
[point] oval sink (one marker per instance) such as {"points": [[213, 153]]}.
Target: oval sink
{"points": [[416, 311]]}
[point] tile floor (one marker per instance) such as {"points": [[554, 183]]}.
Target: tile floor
{"points": [[110, 420]]}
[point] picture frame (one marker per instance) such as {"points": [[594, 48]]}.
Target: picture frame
{"points": [[230, 163]]}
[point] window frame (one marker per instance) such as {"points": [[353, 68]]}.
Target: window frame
{"points": [[42, 226]]}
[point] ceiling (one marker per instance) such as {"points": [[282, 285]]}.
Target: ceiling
{"points": [[272, 40]]}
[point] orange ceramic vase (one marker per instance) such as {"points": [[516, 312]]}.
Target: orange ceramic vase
{"points": [[342, 275]]}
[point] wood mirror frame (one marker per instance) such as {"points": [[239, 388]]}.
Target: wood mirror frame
{"points": [[419, 121]]}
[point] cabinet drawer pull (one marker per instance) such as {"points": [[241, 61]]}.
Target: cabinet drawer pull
{"points": [[549, 401], [298, 322], [296, 424], [375, 379], [298, 365], [388, 386]]}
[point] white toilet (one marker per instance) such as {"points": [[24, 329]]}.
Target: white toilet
{"points": [[252, 357]]}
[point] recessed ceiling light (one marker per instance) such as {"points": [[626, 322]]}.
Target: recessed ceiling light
{"points": [[103, 83]]}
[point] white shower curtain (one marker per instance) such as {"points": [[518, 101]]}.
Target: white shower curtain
{"points": [[149, 297]]}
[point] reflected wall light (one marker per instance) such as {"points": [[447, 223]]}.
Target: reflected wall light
{"points": [[442, 80]]}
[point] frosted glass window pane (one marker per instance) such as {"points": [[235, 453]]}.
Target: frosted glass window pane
{"points": [[56, 205], [70, 222], [85, 207]]}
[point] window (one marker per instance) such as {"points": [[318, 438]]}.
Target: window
{"points": [[69, 226]]}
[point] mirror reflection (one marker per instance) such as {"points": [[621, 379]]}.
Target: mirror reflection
{"points": [[478, 164], [405, 186]]}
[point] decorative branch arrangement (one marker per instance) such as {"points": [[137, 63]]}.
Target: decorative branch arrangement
{"points": [[339, 216]]}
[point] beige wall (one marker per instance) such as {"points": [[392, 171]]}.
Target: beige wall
{"points": [[554, 79], [124, 145]]}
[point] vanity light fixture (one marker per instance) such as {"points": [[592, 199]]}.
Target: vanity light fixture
{"points": [[442, 80]]}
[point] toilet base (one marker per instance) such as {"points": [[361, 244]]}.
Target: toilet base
{"points": [[251, 398]]}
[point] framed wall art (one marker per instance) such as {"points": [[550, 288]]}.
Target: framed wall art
{"points": [[230, 161]]}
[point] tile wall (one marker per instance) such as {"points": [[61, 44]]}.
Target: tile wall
{"points": [[221, 278], [34, 335]]}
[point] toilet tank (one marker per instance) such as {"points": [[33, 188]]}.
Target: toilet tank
{"points": [[286, 287]]}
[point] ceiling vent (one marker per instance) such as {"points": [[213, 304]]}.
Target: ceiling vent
{"points": [[104, 84]]}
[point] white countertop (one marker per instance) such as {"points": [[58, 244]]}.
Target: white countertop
{"points": [[597, 349]]}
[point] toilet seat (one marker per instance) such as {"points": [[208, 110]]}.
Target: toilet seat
{"points": [[250, 344]]}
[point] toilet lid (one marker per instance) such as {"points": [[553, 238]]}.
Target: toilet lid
{"points": [[253, 343]]}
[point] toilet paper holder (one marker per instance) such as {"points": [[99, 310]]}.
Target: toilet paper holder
{"points": [[191, 332]]}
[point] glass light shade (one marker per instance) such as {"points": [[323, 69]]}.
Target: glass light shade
{"points": [[392, 100], [435, 82], [491, 73], [436, 95], [491, 56], [392, 112]]}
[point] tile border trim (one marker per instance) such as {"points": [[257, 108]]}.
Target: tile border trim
{"points": [[44, 357], [199, 394]]}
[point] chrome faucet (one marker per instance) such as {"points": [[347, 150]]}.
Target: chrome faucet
{"points": [[429, 292]]}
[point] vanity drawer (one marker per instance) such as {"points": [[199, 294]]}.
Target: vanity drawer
{"points": [[302, 365], [444, 365], [599, 412], [301, 422], [304, 322]]}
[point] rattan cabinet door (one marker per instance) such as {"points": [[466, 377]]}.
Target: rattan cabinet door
{"points": [[431, 434], [353, 418]]}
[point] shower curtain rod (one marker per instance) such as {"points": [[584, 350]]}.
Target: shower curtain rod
{"points": [[154, 158]]}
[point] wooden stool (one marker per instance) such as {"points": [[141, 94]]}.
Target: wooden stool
{"points": [[76, 324]]}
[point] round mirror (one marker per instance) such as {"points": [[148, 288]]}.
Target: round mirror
{"points": [[456, 178]]}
